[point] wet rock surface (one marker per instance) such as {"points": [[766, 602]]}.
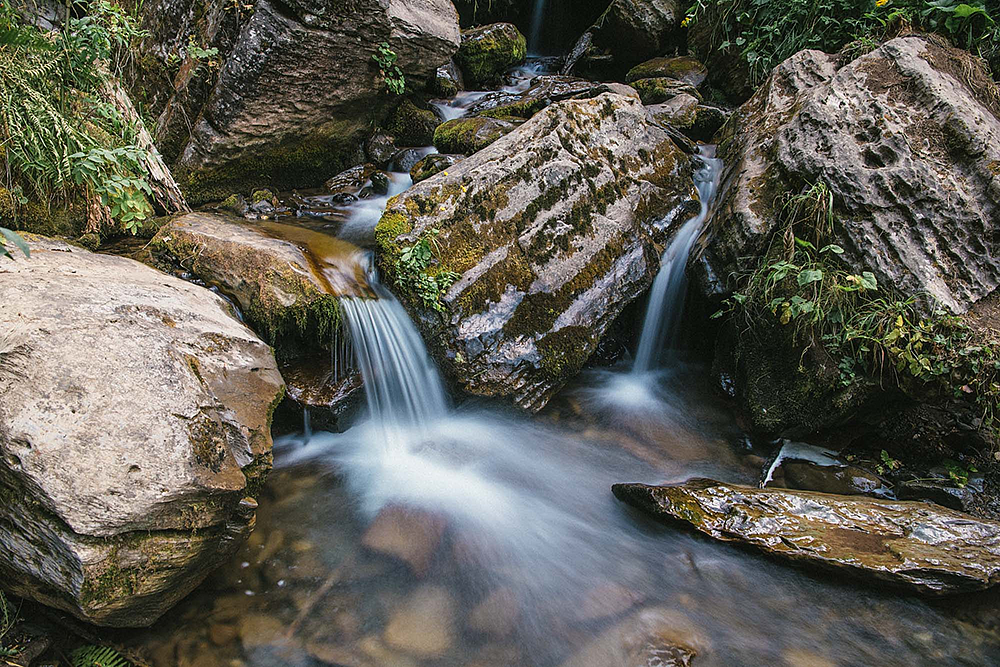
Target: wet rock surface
{"points": [[469, 135], [926, 549], [551, 237], [680, 68], [135, 427], [433, 164], [653, 636], [488, 52], [544, 90]]}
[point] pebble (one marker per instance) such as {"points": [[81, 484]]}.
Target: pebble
{"points": [[412, 536], [424, 624], [497, 615], [259, 630]]}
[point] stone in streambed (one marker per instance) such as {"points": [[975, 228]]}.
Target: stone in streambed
{"points": [[927, 549], [680, 112], [410, 535], [433, 164], [544, 90], [488, 52], [410, 125], [660, 89], [134, 430], [681, 68], [652, 636], [496, 615], [469, 135], [424, 625], [635, 30]]}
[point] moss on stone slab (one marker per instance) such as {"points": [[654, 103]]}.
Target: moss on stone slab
{"points": [[488, 52], [468, 135], [410, 125]]}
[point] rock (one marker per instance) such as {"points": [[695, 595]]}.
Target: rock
{"points": [[918, 546], [411, 126], [469, 135], [607, 599], [661, 89], [222, 634], [728, 72], [379, 149], [907, 139], [134, 431], [707, 122], [433, 164], [285, 279], [350, 181], [553, 230], [580, 48], [652, 636], [448, 80], [488, 52], [802, 466], [680, 68], [636, 30], [405, 160], [410, 535], [942, 492], [380, 183], [260, 630], [295, 89], [680, 112], [497, 615], [424, 626], [235, 204], [544, 90]]}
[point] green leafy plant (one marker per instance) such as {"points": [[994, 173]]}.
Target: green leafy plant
{"points": [[61, 133], [392, 75], [7, 236], [958, 474], [98, 656], [415, 271], [888, 463]]}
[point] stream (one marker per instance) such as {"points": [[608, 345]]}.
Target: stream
{"points": [[431, 534]]}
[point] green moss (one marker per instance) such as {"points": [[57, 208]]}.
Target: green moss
{"points": [[444, 87], [674, 68], [257, 470], [111, 583], [488, 52], [564, 352], [660, 89], [468, 135], [411, 126], [390, 227], [258, 196]]}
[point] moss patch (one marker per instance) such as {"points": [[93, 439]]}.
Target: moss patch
{"points": [[488, 52], [468, 135]]}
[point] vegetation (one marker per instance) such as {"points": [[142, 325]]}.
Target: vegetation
{"points": [[763, 33], [8, 619], [62, 135], [98, 656], [871, 331], [392, 75], [7, 236], [416, 273]]}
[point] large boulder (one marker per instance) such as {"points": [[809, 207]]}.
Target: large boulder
{"points": [[549, 233], [907, 140], [637, 30], [295, 88], [134, 430], [468, 135], [286, 279], [488, 52], [919, 546]]}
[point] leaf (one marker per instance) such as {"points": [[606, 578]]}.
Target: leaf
{"points": [[16, 239], [834, 248], [807, 276], [868, 280]]}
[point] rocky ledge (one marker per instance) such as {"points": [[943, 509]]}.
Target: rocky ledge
{"points": [[925, 548]]}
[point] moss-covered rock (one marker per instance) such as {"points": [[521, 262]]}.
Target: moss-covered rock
{"points": [[285, 279], [680, 111], [660, 89], [433, 164], [682, 68], [551, 230], [544, 90], [468, 135], [412, 126], [488, 52]]}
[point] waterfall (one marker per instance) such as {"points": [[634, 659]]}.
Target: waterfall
{"points": [[537, 16], [666, 300], [402, 386]]}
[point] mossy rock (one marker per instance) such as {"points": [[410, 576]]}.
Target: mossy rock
{"points": [[468, 135], [444, 87], [680, 111], [682, 68], [412, 126], [433, 164], [660, 89], [488, 52]]}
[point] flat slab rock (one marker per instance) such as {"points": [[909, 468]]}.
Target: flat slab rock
{"points": [[923, 547], [134, 429]]}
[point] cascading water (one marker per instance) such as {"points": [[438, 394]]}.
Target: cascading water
{"points": [[537, 18], [666, 299]]}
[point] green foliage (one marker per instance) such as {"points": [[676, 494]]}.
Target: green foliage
{"points": [[763, 33], [7, 236], [97, 656], [391, 74], [8, 619], [958, 474], [871, 331], [888, 463], [60, 131], [415, 271]]}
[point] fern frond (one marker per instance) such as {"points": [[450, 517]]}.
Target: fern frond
{"points": [[98, 656]]}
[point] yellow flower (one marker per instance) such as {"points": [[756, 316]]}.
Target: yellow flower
{"points": [[687, 19], [881, 3]]}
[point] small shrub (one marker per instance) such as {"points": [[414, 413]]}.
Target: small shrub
{"points": [[416, 273], [392, 75]]}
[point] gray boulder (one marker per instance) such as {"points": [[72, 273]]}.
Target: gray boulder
{"points": [[924, 548], [134, 430], [551, 232], [637, 30]]}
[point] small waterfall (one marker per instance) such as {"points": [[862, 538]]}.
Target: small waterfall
{"points": [[666, 301], [402, 385], [537, 17]]}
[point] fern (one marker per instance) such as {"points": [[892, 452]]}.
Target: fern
{"points": [[98, 656]]}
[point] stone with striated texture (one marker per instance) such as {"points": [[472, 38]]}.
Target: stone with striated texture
{"points": [[553, 230], [927, 549], [433, 164], [679, 68], [544, 90], [660, 89], [134, 429]]}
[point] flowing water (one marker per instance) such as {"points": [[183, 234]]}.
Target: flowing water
{"points": [[427, 535], [537, 20]]}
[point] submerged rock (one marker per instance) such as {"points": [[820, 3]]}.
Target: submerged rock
{"points": [[654, 636], [488, 52], [468, 135], [424, 625], [551, 231], [927, 549], [295, 90], [285, 279], [135, 430], [907, 139], [433, 164]]}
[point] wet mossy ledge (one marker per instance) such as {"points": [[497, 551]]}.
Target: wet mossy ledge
{"points": [[281, 282], [543, 238]]}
